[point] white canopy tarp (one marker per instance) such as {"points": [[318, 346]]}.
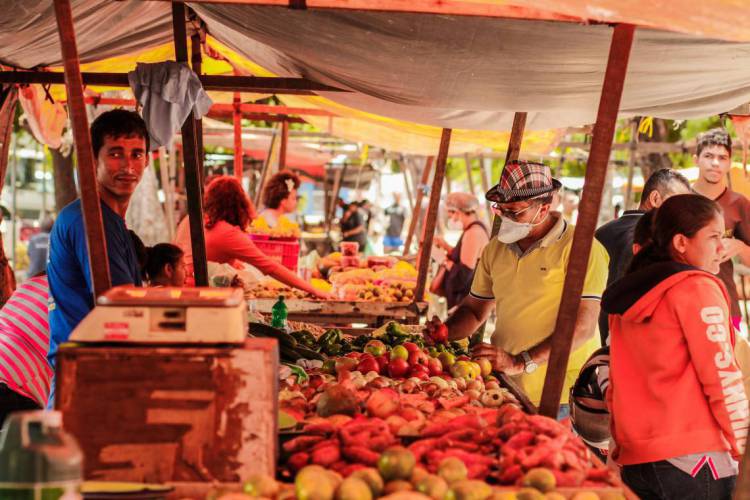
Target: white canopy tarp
{"points": [[475, 72], [462, 72]]}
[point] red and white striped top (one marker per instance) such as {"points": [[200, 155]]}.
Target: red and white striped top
{"points": [[24, 341]]}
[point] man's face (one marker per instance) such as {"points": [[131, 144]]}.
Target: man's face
{"points": [[523, 211], [714, 163], [120, 165]]}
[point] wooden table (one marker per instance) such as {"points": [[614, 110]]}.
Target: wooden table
{"points": [[336, 313]]}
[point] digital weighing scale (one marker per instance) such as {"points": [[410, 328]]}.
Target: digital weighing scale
{"points": [[189, 315]]}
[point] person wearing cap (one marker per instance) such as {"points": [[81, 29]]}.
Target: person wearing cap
{"points": [[456, 272], [522, 272]]}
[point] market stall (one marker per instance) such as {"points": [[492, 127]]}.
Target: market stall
{"points": [[356, 420]]}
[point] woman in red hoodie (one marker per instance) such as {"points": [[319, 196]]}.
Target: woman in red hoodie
{"points": [[679, 413]]}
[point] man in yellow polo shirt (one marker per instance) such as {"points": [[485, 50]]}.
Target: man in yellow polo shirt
{"points": [[522, 272]]}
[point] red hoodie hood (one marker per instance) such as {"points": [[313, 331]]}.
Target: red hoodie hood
{"points": [[637, 295]]}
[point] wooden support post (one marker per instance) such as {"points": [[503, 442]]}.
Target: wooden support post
{"points": [[193, 178], [631, 164], [419, 194], [469, 177], [266, 167], [405, 170], [486, 180], [237, 121], [338, 177], [514, 149], [596, 173], [90, 204], [8, 103], [284, 144], [196, 61], [423, 262]]}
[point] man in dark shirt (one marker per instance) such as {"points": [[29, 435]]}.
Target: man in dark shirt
{"points": [[39, 247], [120, 142], [714, 159], [617, 235], [396, 217]]}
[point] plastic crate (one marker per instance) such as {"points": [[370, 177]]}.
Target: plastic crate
{"points": [[283, 251]]}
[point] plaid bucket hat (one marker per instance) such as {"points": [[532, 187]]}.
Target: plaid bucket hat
{"points": [[522, 180]]}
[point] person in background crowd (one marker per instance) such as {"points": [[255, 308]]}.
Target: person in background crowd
{"points": [[165, 265], [714, 159], [228, 213], [396, 214], [39, 247], [570, 206], [521, 272], [25, 375], [453, 279], [353, 225], [280, 199], [120, 142], [617, 211], [617, 235], [679, 412]]}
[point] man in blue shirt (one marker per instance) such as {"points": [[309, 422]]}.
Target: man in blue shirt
{"points": [[120, 142]]}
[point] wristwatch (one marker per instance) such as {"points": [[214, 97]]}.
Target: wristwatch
{"points": [[529, 365]]}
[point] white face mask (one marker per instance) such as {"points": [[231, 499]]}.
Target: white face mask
{"points": [[454, 225], [512, 231]]}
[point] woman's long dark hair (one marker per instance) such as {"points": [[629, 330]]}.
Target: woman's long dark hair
{"points": [[682, 214]]}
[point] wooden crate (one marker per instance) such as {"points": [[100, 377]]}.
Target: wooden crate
{"points": [[164, 414]]}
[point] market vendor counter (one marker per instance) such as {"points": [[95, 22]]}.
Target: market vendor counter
{"points": [[373, 314], [163, 414]]}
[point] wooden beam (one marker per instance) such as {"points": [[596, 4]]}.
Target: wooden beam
{"points": [[96, 242], [588, 212], [8, 103], [266, 168], [254, 84], [486, 181], [425, 249], [419, 192], [237, 122], [631, 164], [191, 160], [197, 64], [514, 149], [469, 177], [284, 144]]}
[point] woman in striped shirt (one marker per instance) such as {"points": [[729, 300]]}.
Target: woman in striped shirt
{"points": [[24, 340]]}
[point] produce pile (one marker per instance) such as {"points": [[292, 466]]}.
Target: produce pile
{"points": [[433, 401], [396, 475], [371, 279], [284, 228]]}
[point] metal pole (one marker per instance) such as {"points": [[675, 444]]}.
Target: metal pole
{"points": [[596, 173], [514, 149], [419, 194], [237, 121], [193, 169], [167, 190], [90, 204], [423, 262]]}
